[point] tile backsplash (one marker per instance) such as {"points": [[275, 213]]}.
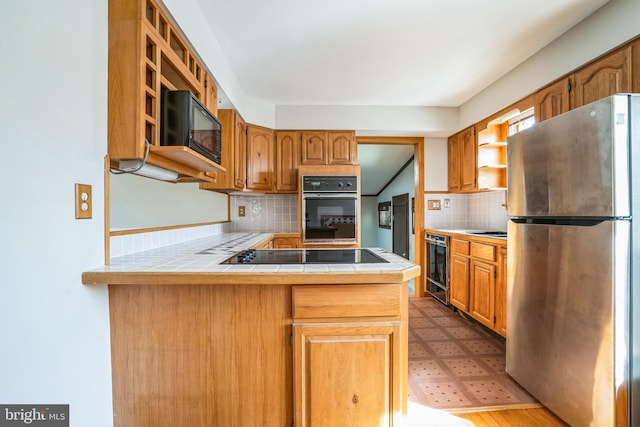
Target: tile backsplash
{"points": [[266, 213], [468, 211], [279, 213], [138, 242]]}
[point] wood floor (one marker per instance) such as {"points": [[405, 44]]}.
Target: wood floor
{"points": [[423, 416], [541, 417]]}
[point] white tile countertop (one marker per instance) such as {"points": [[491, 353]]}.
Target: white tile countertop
{"points": [[201, 259]]}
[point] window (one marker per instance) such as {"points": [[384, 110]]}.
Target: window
{"points": [[522, 121]]}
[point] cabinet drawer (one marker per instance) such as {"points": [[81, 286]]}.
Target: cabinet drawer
{"points": [[483, 251], [460, 246], [346, 301]]}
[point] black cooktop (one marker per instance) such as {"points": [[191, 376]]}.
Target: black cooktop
{"points": [[305, 256]]}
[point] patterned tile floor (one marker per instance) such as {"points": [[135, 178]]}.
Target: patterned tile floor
{"points": [[455, 365]]}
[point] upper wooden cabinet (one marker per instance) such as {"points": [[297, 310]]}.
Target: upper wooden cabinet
{"points": [[260, 164], [234, 154], [552, 100], [287, 159], [604, 77], [342, 148], [147, 52], [328, 148], [453, 150], [616, 72], [462, 161]]}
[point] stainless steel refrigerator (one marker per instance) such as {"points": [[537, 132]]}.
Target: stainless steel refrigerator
{"points": [[573, 291]]}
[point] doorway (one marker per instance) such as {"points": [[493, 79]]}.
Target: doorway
{"points": [[417, 216], [400, 224]]}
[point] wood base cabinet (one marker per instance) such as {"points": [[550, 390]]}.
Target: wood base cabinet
{"points": [[350, 355], [344, 374]]}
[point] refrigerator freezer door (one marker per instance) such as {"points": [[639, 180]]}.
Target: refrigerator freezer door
{"points": [[573, 165], [567, 345]]}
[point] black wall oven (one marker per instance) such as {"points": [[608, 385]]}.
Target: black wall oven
{"points": [[329, 210], [437, 263]]}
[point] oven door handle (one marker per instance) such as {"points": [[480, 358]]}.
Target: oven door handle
{"points": [[435, 242], [329, 195]]}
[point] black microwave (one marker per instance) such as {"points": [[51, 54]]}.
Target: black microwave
{"points": [[184, 121]]}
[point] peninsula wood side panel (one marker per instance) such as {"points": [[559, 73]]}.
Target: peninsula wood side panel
{"points": [[185, 356]]}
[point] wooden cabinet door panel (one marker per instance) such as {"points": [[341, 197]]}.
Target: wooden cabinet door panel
{"points": [[287, 161], [459, 285], [501, 293], [341, 148], [260, 163], [240, 154], [286, 243], [314, 148], [609, 75], [552, 100], [344, 375], [482, 292], [468, 159], [454, 163]]}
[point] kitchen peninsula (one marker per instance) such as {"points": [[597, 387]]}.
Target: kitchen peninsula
{"points": [[198, 342]]}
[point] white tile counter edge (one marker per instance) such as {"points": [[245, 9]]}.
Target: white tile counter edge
{"points": [[187, 257]]}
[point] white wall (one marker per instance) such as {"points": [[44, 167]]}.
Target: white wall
{"points": [[610, 26], [54, 330], [436, 168], [139, 202], [189, 16], [370, 120], [369, 222]]}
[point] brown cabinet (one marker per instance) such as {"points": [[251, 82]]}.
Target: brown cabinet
{"points": [[616, 72], [147, 52], [552, 100], [453, 150], [287, 159], [462, 160], [349, 354], [459, 282], [328, 148], [286, 242], [260, 164], [478, 278], [346, 373], [341, 148], [482, 287], [501, 293], [604, 77], [234, 156]]}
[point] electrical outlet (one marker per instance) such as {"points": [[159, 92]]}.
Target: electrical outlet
{"points": [[433, 205], [241, 211], [83, 201]]}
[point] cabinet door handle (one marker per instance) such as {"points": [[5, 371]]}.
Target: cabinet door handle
{"points": [[355, 399]]}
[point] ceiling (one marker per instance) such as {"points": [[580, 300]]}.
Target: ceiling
{"points": [[437, 53], [379, 164], [382, 52]]}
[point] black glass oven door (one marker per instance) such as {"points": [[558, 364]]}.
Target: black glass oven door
{"points": [[330, 218]]}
